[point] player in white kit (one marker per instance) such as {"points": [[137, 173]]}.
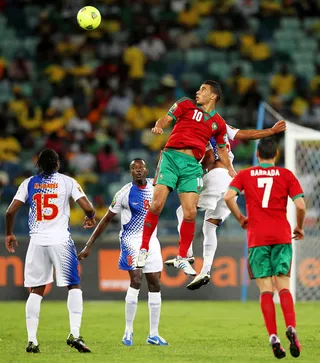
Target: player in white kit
{"points": [[133, 202], [51, 246], [215, 183]]}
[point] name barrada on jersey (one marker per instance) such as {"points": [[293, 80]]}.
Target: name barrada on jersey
{"points": [[264, 172]]}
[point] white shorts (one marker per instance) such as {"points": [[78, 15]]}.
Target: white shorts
{"points": [[215, 184], [129, 254], [40, 261]]}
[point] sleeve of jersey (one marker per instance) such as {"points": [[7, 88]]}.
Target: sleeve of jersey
{"points": [[295, 190], [76, 190], [221, 135], [231, 132], [22, 192], [178, 108], [237, 183], [115, 206]]}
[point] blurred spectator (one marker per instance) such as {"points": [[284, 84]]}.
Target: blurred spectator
{"points": [[119, 103], [222, 36], [135, 59], [239, 83], [83, 161], [55, 142], [61, 101], [188, 17], [52, 121], [79, 126], [283, 81], [107, 160], [187, 39], [152, 47], [20, 69], [139, 115]]}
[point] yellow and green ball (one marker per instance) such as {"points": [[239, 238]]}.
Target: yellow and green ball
{"points": [[89, 18]]}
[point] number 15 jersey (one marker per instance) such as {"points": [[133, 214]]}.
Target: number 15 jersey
{"points": [[267, 188], [49, 213]]}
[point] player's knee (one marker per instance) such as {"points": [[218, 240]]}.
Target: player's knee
{"points": [[135, 282], [154, 286], [190, 214], [156, 206]]}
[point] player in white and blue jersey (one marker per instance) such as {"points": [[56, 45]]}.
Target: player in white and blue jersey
{"points": [[215, 183], [132, 202], [51, 246]]}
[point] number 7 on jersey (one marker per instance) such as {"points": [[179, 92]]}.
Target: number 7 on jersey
{"points": [[265, 183]]}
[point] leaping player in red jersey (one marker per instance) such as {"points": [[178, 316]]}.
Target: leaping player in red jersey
{"points": [[267, 188], [180, 165]]}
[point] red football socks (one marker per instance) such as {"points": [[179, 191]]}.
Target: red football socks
{"points": [[150, 224], [268, 311], [287, 307], [186, 237]]}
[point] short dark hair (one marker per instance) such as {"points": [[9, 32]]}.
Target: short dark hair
{"points": [[215, 88], [267, 148], [137, 159], [48, 161]]}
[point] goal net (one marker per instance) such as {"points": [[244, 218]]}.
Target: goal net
{"points": [[302, 157]]}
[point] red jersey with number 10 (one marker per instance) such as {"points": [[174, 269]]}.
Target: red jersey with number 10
{"points": [[194, 127], [266, 189]]}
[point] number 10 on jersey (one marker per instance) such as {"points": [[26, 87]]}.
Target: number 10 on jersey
{"points": [[43, 201]]}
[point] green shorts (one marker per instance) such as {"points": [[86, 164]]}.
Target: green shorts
{"points": [[270, 260], [179, 171]]}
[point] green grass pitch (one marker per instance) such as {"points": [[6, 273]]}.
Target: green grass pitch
{"points": [[196, 331]]}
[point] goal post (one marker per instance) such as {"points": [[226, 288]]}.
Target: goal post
{"points": [[302, 157]]}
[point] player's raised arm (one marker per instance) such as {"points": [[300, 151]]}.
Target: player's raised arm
{"points": [[161, 123], [278, 127], [102, 225], [10, 216]]}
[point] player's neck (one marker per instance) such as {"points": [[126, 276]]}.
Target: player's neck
{"points": [[208, 108], [267, 162], [141, 184]]}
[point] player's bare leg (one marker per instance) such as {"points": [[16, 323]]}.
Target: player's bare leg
{"points": [[191, 259], [32, 317], [287, 306], [154, 303], [189, 203], [131, 305], [269, 314], [210, 244], [75, 307], [160, 195]]}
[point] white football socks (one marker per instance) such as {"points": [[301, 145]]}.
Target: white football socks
{"points": [[154, 302], [75, 307], [32, 316], [179, 213], [131, 307], [210, 244]]}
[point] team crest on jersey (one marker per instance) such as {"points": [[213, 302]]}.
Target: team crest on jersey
{"points": [[214, 126], [225, 138], [173, 107]]}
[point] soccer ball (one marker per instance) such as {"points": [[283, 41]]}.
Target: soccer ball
{"points": [[89, 18]]}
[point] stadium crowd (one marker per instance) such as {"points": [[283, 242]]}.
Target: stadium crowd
{"points": [[92, 96]]}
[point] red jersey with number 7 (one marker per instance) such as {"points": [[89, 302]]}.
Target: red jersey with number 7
{"points": [[194, 127], [267, 188]]}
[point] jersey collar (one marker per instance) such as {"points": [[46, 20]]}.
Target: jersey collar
{"points": [[211, 113], [265, 165]]}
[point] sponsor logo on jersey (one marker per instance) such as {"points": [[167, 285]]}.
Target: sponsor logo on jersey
{"points": [[80, 189], [214, 126], [225, 137]]}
